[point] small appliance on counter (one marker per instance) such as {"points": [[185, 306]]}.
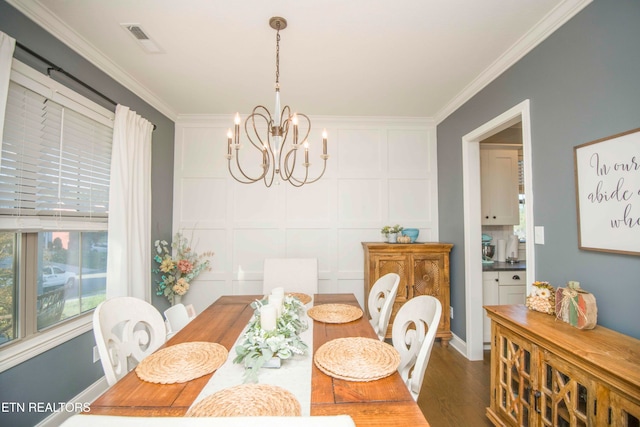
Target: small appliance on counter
{"points": [[512, 250], [488, 250]]}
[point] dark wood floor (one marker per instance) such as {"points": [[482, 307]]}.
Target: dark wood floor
{"points": [[455, 391]]}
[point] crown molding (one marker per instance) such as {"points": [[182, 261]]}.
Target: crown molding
{"points": [[547, 25], [226, 120], [45, 19]]}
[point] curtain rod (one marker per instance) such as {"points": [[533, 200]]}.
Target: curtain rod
{"points": [[54, 67]]}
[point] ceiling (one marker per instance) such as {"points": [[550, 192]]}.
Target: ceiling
{"points": [[407, 58]]}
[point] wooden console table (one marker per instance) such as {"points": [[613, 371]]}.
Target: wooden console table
{"points": [[544, 372], [423, 270]]}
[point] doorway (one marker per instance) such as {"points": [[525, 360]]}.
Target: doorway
{"points": [[472, 219]]}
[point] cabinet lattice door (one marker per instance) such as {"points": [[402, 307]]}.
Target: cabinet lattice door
{"points": [[623, 412], [567, 396], [514, 396]]}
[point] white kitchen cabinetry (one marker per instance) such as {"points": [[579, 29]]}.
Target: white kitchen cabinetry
{"points": [[490, 296], [499, 185], [502, 288]]}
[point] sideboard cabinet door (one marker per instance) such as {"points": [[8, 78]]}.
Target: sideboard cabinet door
{"points": [[514, 365], [623, 412], [568, 396]]}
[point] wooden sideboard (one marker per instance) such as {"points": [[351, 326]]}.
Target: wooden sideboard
{"points": [[423, 270], [544, 372]]}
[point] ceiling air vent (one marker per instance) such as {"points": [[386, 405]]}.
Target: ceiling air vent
{"points": [[143, 39]]}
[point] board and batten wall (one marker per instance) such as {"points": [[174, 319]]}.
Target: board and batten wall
{"points": [[381, 171]]}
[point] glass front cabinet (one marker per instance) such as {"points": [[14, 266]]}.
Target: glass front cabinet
{"points": [[546, 373]]}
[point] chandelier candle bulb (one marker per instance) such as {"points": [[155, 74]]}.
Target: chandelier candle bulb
{"points": [[324, 142], [229, 136], [268, 317], [306, 153], [237, 130]]}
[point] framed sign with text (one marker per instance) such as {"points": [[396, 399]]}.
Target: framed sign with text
{"points": [[608, 193]]}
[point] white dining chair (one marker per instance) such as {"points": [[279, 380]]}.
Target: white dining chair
{"points": [[413, 333], [293, 274], [126, 330], [177, 317], [380, 302]]}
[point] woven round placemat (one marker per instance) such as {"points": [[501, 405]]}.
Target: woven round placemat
{"points": [[334, 313], [248, 400], [182, 362], [304, 298], [357, 359]]}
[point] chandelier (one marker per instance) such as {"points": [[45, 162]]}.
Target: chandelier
{"points": [[269, 135]]}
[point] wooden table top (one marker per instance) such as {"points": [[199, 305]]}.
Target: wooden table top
{"points": [[384, 403]]}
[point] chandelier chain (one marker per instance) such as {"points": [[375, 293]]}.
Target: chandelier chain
{"points": [[278, 55]]}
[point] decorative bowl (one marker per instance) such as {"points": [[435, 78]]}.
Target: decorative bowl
{"points": [[411, 232]]}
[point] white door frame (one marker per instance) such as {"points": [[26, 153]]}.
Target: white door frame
{"points": [[472, 217]]}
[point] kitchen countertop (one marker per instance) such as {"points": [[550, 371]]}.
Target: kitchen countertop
{"points": [[504, 266]]}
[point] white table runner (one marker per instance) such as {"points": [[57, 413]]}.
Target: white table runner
{"points": [[294, 374]]}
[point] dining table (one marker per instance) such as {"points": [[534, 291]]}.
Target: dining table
{"points": [[383, 402]]}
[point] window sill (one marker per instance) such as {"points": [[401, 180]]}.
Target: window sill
{"points": [[23, 350]]}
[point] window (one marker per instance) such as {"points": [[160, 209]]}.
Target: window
{"points": [[54, 201]]}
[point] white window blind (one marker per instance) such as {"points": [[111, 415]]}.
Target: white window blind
{"points": [[55, 161]]}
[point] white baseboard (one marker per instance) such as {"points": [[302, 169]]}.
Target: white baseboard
{"points": [[459, 345], [87, 396]]}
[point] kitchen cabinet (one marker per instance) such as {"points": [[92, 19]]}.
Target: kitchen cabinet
{"points": [[423, 269], [545, 372], [502, 288], [499, 177]]}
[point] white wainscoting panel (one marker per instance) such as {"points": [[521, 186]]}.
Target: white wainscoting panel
{"points": [[381, 171], [409, 156], [360, 152], [359, 202]]}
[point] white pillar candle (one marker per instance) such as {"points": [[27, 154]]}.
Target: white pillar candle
{"points": [[268, 317], [276, 301], [279, 292]]}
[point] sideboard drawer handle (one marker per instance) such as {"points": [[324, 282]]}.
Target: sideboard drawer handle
{"points": [[516, 277]]}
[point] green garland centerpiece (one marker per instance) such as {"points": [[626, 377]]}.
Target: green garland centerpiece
{"points": [[260, 345]]}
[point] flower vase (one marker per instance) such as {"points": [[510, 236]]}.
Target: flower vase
{"points": [[392, 238], [176, 299]]}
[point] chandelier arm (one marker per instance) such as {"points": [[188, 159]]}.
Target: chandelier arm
{"points": [[268, 178], [304, 116], [252, 117], [290, 178], [289, 172], [250, 179], [324, 168], [257, 147]]}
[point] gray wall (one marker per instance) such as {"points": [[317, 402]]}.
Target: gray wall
{"points": [[584, 84], [63, 372]]}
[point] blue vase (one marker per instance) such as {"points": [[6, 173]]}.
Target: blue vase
{"points": [[412, 233]]}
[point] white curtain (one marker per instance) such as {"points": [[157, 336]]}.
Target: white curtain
{"points": [[129, 252], [7, 46]]}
